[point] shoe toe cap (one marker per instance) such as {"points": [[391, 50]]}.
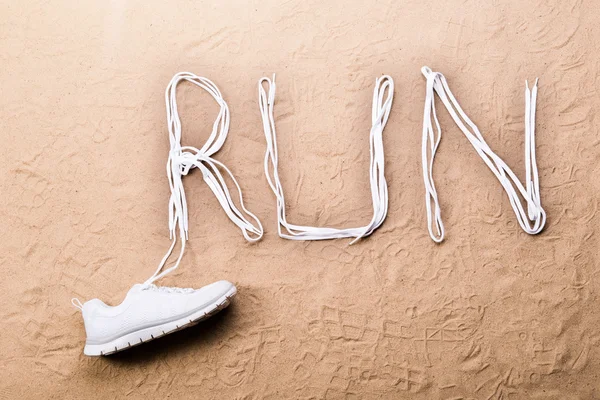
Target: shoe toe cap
{"points": [[218, 289]]}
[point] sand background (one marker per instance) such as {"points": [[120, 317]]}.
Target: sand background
{"points": [[492, 313]]}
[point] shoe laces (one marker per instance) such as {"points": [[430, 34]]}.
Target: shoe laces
{"points": [[182, 159], [383, 95], [167, 289], [531, 218]]}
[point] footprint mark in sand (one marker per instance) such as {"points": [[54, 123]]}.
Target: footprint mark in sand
{"points": [[343, 324]]}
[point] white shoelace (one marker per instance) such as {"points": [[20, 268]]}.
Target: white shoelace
{"points": [[184, 158], [534, 219], [379, 191]]}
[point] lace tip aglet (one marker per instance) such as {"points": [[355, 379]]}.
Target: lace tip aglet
{"points": [[534, 83], [356, 239], [271, 98]]}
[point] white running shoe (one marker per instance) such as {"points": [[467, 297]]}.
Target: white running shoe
{"points": [[149, 312]]}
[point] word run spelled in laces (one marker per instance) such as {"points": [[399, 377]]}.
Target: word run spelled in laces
{"points": [[534, 219], [382, 103], [184, 158]]}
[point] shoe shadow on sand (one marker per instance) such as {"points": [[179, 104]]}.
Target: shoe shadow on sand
{"points": [[206, 334]]}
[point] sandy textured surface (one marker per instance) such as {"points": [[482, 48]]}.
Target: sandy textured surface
{"points": [[492, 313]]}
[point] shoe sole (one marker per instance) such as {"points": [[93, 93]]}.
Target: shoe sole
{"points": [[148, 334]]}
